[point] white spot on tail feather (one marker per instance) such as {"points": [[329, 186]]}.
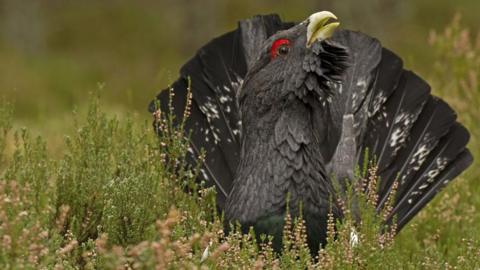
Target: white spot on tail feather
{"points": [[377, 103], [424, 186], [359, 93], [223, 99], [397, 137], [422, 152], [361, 83], [403, 123], [441, 163]]}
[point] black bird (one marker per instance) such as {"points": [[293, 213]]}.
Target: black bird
{"points": [[284, 109]]}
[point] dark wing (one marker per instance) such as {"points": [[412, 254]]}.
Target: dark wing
{"points": [[215, 73]]}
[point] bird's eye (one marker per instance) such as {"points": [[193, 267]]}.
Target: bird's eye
{"points": [[280, 47]]}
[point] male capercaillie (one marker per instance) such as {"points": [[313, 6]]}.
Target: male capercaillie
{"points": [[284, 109]]}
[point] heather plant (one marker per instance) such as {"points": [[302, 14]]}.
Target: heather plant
{"points": [[122, 197], [25, 199]]}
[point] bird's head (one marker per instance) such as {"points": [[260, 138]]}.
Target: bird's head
{"points": [[299, 63]]}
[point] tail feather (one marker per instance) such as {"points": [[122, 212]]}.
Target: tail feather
{"points": [[402, 110], [388, 77], [223, 67], [455, 168], [213, 111], [448, 159]]}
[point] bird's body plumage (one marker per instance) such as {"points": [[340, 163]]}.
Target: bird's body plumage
{"points": [[279, 130]]}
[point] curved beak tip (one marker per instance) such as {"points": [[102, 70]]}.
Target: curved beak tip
{"points": [[319, 27]]}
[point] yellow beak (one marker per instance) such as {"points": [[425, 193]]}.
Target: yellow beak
{"points": [[318, 27]]}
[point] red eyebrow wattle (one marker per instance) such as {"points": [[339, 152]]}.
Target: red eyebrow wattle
{"points": [[277, 43]]}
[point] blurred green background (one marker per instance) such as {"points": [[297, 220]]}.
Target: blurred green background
{"points": [[54, 52]]}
